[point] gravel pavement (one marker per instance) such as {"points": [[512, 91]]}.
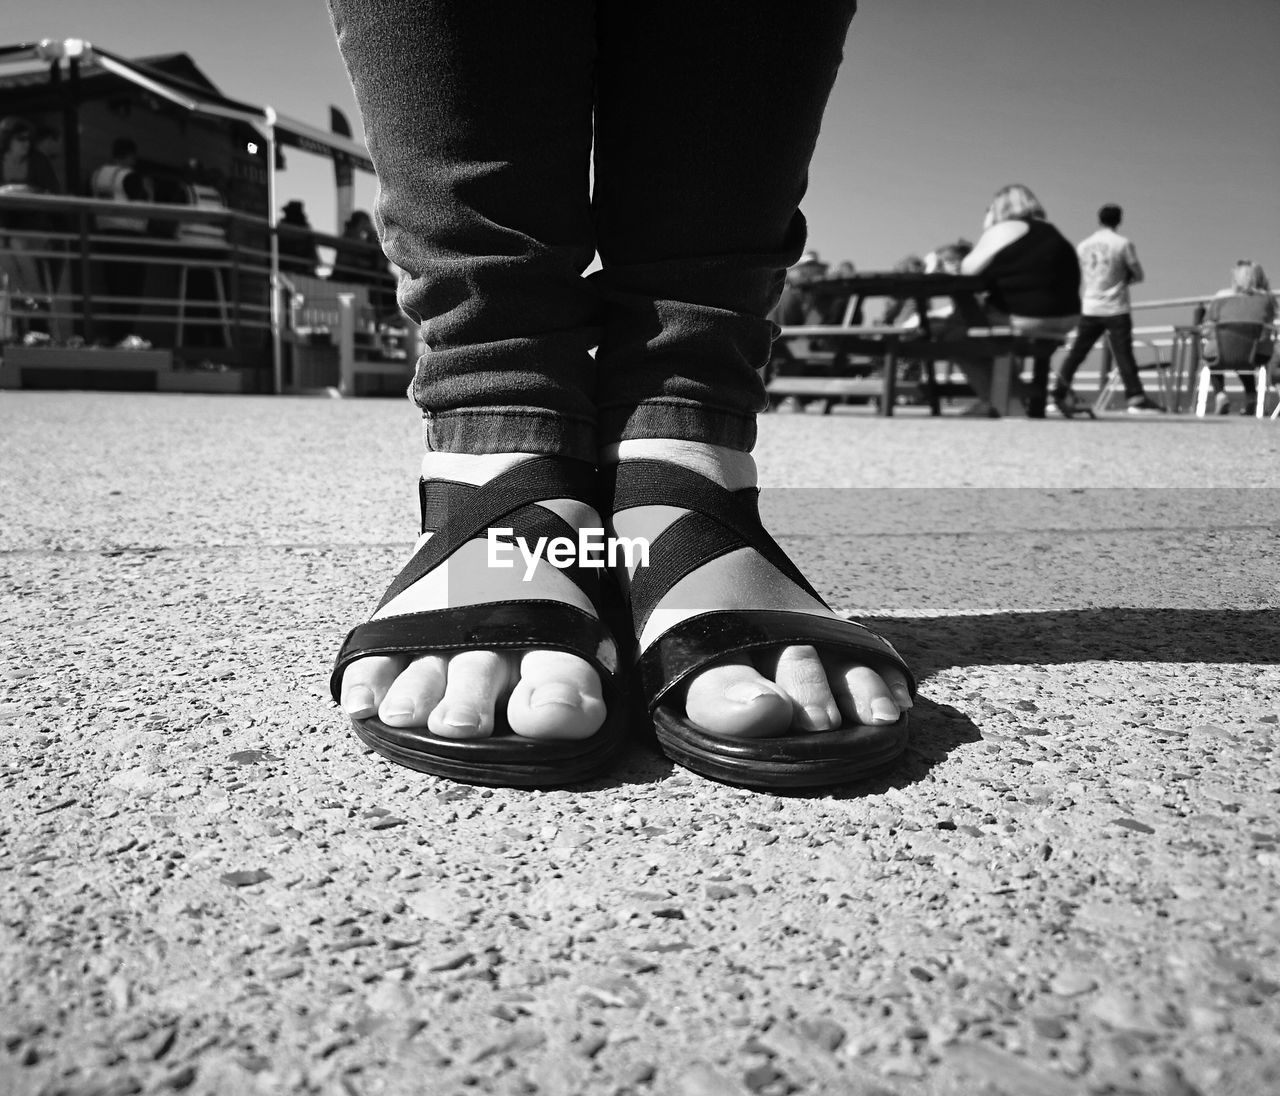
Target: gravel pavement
{"points": [[1069, 885]]}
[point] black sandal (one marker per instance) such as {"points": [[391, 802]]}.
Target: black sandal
{"points": [[721, 521], [504, 758]]}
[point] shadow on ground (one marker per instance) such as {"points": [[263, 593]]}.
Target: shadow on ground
{"points": [[933, 644], [1233, 636]]}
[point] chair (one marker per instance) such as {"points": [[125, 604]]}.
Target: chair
{"points": [[1238, 345], [1268, 380]]}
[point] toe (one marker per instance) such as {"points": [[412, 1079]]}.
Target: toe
{"points": [[476, 679], [735, 700], [415, 692], [799, 672], [366, 681], [863, 695], [898, 687], [558, 696]]}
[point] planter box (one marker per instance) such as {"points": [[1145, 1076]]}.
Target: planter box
{"points": [[106, 360]]}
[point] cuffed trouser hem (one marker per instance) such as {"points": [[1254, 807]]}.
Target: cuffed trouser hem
{"points": [[479, 430], [678, 420]]}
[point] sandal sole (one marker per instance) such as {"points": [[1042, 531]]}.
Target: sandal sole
{"points": [[796, 761], [505, 761]]}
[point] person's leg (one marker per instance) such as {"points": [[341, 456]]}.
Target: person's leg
{"points": [[703, 144], [1120, 336], [478, 119], [1088, 331], [980, 377]]}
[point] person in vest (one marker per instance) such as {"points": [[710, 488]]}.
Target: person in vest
{"points": [[202, 246], [118, 180], [201, 192]]}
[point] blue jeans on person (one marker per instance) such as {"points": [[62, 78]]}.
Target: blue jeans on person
{"points": [[1119, 332], [482, 118]]}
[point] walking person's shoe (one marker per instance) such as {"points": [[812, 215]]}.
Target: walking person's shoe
{"points": [[1144, 405], [1221, 403], [1250, 407], [1068, 404]]}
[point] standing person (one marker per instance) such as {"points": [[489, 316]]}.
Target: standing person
{"points": [[1247, 300], [119, 180], [1108, 266], [480, 120], [203, 248], [45, 152], [24, 273]]}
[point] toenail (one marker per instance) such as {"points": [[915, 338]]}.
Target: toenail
{"points": [[902, 695], [359, 700], [545, 696], [884, 709], [395, 709], [744, 692], [819, 717], [461, 717]]}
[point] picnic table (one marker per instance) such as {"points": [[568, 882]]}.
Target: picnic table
{"points": [[963, 335]]}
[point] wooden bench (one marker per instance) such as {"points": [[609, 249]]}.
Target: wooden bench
{"points": [[886, 346], [831, 389]]}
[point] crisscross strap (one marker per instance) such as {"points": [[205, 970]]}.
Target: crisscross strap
{"points": [[458, 512], [720, 521], [497, 626]]}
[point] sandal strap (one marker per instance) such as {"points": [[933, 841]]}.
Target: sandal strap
{"points": [[687, 647], [720, 521], [530, 624], [507, 500]]}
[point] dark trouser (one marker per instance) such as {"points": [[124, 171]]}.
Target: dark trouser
{"points": [[124, 277], [1247, 381], [1119, 332], [480, 117]]}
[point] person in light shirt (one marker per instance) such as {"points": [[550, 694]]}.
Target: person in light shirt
{"points": [[1108, 266]]}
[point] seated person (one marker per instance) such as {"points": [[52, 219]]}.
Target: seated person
{"points": [[945, 260], [297, 244], [359, 259], [1031, 275], [898, 310], [1248, 300]]}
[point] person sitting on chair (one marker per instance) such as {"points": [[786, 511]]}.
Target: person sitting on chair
{"points": [[1031, 275], [1247, 301]]}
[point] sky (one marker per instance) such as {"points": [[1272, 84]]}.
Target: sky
{"points": [[1168, 108]]}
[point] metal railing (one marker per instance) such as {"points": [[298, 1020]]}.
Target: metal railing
{"points": [[198, 281]]}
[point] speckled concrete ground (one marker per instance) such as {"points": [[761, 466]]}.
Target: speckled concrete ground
{"points": [[1069, 886]]}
